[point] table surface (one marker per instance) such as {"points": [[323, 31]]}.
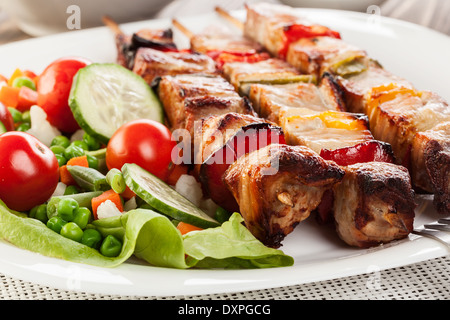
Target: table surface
{"points": [[427, 280]]}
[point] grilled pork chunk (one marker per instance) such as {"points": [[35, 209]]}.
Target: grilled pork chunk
{"points": [[373, 204], [128, 45], [278, 186], [275, 27], [217, 42], [431, 150], [326, 54], [397, 115], [152, 64], [328, 130], [188, 98], [269, 100]]}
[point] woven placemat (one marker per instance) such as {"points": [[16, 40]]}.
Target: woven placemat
{"points": [[428, 280]]}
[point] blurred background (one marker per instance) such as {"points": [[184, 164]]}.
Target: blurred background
{"points": [[23, 19]]}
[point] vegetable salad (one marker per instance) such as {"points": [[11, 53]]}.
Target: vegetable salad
{"points": [[86, 176]]}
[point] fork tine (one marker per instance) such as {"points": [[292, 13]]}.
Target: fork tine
{"points": [[444, 220], [443, 227], [434, 234]]}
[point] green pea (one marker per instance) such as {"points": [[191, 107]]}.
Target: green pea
{"points": [[73, 151], [221, 215], [24, 126], [26, 116], [92, 238], [32, 213], [61, 159], [16, 114], [92, 161], [61, 140], [41, 213], [71, 190], [81, 144], [24, 82], [72, 231], [66, 208], [57, 149], [55, 223], [82, 217], [92, 143], [111, 246]]}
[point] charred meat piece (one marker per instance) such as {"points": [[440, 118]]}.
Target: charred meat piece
{"points": [[269, 100], [226, 139], [279, 186], [152, 64], [318, 55], [188, 98], [373, 204], [275, 27], [128, 45], [271, 71]]}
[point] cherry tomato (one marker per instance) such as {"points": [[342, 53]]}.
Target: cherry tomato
{"points": [[53, 90], [146, 143], [29, 171], [6, 118]]}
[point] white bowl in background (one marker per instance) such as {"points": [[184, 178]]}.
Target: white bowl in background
{"points": [[43, 17], [352, 5]]}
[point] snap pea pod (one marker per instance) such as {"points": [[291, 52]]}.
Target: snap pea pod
{"points": [[89, 179], [83, 199]]}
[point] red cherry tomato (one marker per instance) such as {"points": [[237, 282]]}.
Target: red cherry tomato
{"points": [[29, 171], [6, 118], [53, 90], [146, 143]]}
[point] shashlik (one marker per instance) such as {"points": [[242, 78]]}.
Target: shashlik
{"points": [[313, 115], [305, 183], [362, 80]]}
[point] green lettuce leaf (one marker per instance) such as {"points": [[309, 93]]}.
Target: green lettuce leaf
{"points": [[150, 236]]}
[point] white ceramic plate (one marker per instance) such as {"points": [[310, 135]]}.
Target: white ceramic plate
{"points": [[413, 52]]}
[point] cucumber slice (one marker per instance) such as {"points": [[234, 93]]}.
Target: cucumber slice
{"points": [[104, 96], [163, 198], [2, 128]]}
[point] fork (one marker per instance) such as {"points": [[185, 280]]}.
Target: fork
{"points": [[439, 230]]}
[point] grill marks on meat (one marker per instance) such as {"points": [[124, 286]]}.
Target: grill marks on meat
{"points": [[279, 186], [152, 64], [190, 98]]}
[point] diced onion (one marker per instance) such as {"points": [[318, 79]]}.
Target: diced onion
{"points": [[40, 127], [188, 187], [107, 209]]}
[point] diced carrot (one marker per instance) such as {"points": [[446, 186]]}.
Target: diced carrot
{"points": [[176, 172], [184, 227], [65, 176], [17, 73], [78, 161], [107, 195], [9, 96], [27, 98], [3, 78], [127, 194]]}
